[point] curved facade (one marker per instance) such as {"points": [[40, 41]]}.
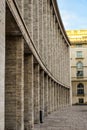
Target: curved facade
{"points": [[36, 58]]}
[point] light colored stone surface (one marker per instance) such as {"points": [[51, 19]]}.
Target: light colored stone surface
{"points": [[44, 63], [29, 92], [69, 118], [14, 83], [2, 62]]}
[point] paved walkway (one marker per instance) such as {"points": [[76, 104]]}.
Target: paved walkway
{"points": [[71, 118]]}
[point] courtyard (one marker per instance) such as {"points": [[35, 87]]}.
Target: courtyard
{"points": [[68, 118]]}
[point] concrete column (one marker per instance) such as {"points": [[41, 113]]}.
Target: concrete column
{"points": [[42, 91], [36, 93], [45, 95], [55, 96], [61, 93], [28, 92], [14, 82], [52, 95], [49, 96], [69, 96], [58, 96], [2, 63], [28, 15], [66, 97], [63, 96]]}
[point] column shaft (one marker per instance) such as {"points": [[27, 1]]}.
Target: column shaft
{"points": [[2, 63], [14, 99], [42, 92], [46, 95], [49, 95], [28, 92], [36, 93]]}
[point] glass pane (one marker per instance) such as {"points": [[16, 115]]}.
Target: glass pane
{"points": [[80, 85], [80, 91], [79, 73], [79, 65], [79, 54], [78, 45]]}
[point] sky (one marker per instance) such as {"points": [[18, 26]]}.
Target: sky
{"points": [[73, 13]]}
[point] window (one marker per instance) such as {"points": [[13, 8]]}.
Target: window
{"points": [[79, 73], [79, 54], [80, 89], [79, 67], [78, 45], [81, 100]]}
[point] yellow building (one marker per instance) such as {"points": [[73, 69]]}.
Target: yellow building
{"points": [[78, 58]]}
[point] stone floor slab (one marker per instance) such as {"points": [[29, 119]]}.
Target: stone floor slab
{"points": [[69, 118]]}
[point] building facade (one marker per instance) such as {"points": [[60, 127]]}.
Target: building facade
{"points": [[78, 40], [34, 55]]}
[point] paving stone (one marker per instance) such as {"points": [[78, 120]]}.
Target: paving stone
{"points": [[69, 118]]}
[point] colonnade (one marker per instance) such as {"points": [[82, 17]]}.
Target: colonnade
{"points": [[29, 89], [37, 67]]}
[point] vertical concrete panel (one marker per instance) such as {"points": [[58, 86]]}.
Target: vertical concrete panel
{"points": [[28, 92], [14, 99], [50, 36], [36, 24], [20, 6], [41, 28], [45, 95], [2, 62], [28, 15], [36, 93], [45, 31], [52, 42]]}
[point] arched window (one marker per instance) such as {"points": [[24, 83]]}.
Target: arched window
{"points": [[80, 89], [79, 67]]}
